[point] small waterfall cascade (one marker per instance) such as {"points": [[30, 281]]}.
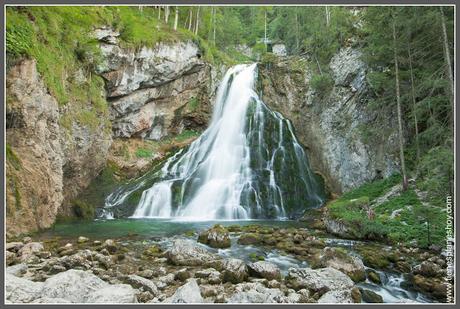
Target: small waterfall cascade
{"points": [[247, 164]]}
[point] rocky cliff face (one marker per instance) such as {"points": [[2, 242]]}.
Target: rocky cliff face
{"points": [[332, 124], [155, 92], [48, 163], [53, 155]]}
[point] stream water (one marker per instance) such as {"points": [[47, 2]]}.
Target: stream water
{"points": [[393, 288]]}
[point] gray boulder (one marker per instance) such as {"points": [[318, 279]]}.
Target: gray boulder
{"points": [[187, 293], [16, 270], [318, 280], [115, 294], [30, 249], [234, 271], [73, 285], [265, 270], [141, 283], [187, 253], [255, 292], [20, 290], [342, 261]]}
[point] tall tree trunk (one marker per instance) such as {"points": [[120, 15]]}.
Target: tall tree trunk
{"points": [[265, 30], [412, 86], [297, 31], [197, 23], [448, 63], [190, 16], [176, 18], [159, 12], [166, 13], [398, 103], [214, 26], [328, 16]]}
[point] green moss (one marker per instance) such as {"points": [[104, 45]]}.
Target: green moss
{"points": [[12, 158], [255, 257]]}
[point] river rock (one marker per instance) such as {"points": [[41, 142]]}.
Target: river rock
{"points": [[210, 274], [427, 269], [14, 246], [336, 297], [234, 271], [187, 293], [265, 270], [187, 253], [318, 280], [370, 296], [20, 290], [183, 274], [113, 294], [10, 258], [254, 292], [73, 285], [215, 237], [340, 260], [110, 245], [82, 239], [30, 249], [17, 270], [81, 259], [141, 283]]}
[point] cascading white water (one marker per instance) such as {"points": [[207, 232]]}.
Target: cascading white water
{"points": [[247, 164]]}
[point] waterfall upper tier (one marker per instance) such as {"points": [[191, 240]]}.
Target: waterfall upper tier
{"points": [[247, 164]]}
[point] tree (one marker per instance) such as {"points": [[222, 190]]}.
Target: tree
{"points": [[398, 103], [197, 20], [176, 18], [445, 41]]}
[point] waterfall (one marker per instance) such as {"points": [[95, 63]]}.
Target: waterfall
{"points": [[247, 164]]}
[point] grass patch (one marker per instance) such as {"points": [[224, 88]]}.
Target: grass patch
{"points": [[144, 153], [193, 104], [412, 221]]}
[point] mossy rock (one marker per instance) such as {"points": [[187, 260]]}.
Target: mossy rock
{"points": [[215, 237], [374, 258], [152, 251], [249, 239], [373, 277], [370, 296]]}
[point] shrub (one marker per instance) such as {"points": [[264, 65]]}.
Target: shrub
{"points": [[322, 84]]}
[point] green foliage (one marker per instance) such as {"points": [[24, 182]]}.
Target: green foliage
{"points": [[437, 174], [83, 210], [144, 153], [322, 84]]}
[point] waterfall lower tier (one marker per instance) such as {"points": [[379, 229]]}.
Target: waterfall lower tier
{"points": [[246, 165]]}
